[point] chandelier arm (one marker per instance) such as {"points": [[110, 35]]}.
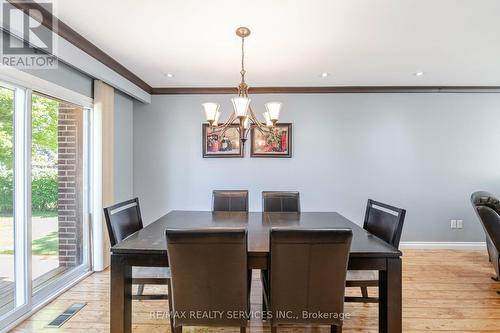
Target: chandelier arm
{"points": [[255, 119], [259, 126], [268, 131], [229, 120], [221, 129], [224, 131], [261, 130]]}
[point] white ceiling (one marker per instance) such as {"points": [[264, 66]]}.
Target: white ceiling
{"points": [[360, 42]]}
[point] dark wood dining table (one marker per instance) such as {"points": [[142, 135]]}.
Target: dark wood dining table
{"points": [[147, 247]]}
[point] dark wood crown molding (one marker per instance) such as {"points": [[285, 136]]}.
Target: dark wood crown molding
{"points": [[328, 90], [194, 91], [81, 42]]}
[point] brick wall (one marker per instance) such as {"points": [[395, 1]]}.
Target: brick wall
{"points": [[69, 156]]}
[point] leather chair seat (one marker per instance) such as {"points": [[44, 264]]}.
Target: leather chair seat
{"points": [[139, 272], [362, 275]]}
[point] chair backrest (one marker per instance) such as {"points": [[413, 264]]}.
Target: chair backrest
{"points": [[308, 272], [123, 219], [487, 208], [280, 201], [209, 273], [384, 221], [230, 201]]}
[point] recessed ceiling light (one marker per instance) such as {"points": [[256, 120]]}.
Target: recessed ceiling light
{"points": [[169, 75], [419, 73], [324, 74]]}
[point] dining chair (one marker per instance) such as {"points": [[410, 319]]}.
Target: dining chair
{"points": [[280, 201], [307, 276], [230, 201], [385, 222], [122, 220], [209, 275], [487, 208]]}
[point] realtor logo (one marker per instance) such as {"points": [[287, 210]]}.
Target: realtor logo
{"points": [[28, 40]]}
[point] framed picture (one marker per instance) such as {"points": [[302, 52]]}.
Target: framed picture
{"points": [[267, 145], [226, 145]]}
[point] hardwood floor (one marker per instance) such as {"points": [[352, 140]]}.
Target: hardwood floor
{"points": [[443, 290]]}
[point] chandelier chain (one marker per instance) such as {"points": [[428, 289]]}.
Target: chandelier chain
{"points": [[243, 60]]}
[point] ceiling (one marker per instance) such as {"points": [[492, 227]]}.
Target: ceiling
{"points": [[358, 42]]}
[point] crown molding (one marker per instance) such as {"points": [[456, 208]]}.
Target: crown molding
{"points": [[327, 90]]}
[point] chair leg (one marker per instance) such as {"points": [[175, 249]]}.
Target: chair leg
{"points": [[243, 329], [264, 306], [140, 290], [336, 329], [364, 292], [178, 329], [170, 309], [274, 329]]}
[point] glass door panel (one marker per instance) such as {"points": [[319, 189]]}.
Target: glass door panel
{"points": [[7, 229], [57, 171]]}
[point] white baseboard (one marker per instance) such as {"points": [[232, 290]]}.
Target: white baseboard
{"points": [[444, 245]]}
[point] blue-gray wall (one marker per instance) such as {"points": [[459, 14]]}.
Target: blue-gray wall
{"points": [[423, 152], [123, 150]]}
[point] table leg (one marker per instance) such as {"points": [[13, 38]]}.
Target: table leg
{"points": [[121, 295], [390, 297]]}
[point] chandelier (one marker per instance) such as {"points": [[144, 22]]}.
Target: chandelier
{"points": [[243, 115]]}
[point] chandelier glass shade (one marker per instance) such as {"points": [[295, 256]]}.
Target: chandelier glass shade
{"points": [[242, 114]]}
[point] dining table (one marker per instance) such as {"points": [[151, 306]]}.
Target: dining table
{"points": [[148, 247]]}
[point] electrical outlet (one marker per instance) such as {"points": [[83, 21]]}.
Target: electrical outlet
{"points": [[453, 224], [460, 224]]}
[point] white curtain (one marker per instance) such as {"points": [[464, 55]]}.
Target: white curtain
{"points": [[102, 189]]}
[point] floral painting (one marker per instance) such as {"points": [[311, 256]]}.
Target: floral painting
{"points": [[278, 144]]}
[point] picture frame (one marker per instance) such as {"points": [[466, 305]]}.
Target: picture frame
{"points": [[228, 146], [262, 145]]}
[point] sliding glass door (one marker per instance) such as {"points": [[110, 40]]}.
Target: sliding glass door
{"points": [[44, 232], [57, 189]]}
